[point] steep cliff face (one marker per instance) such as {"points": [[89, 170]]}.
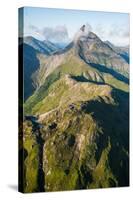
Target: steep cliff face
{"points": [[95, 51]]}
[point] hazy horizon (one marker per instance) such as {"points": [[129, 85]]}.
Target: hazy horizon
{"points": [[60, 25]]}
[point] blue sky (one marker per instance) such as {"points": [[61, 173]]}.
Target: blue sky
{"points": [[61, 24]]}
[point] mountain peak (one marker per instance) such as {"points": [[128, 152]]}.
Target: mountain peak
{"points": [[92, 35], [83, 28], [82, 32]]}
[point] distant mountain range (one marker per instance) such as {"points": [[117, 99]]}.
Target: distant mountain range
{"points": [[45, 47], [79, 97]]}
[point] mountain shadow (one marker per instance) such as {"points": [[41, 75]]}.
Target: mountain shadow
{"points": [[84, 79], [29, 62], [104, 69], [40, 142], [125, 56], [114, 120]]}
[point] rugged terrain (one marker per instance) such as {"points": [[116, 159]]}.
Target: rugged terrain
{"points": [[76, 116]]}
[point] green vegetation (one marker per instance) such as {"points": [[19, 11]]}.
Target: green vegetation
{"points": [[109, 79], [74, 67], [40, 94], [85, 161], [81, 125], [31, 162]]}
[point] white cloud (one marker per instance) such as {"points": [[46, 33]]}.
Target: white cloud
{"points": [[83, 31], [119, 35], [56, 34]]}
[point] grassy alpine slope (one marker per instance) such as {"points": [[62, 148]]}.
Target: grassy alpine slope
{"points": [[79, 138], [75, 67]]}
